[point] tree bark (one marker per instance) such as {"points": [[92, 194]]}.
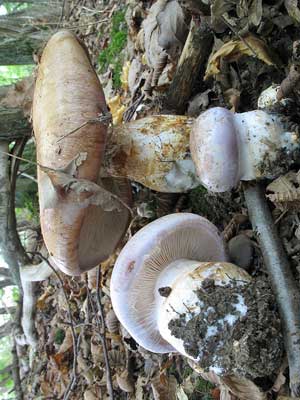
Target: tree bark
{"points": [[191, 66], [18, 51], [13, 124], [10, 245], [24, 32]]}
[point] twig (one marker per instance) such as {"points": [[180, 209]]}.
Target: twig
{"points": [[16, 372], [128, 114], [61, 15], [102, 119], [32, 178], [102, 331], [282, 280], [73, 380], [239, 36]]}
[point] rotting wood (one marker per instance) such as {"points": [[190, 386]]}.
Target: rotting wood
{"points": [[191, 65]]}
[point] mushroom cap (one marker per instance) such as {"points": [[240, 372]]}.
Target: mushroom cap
{"points": [[67, 95], [215, 149], [144, 257]]}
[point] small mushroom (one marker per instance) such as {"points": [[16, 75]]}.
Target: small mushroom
{"points": [[228, 147], [157, 272]]}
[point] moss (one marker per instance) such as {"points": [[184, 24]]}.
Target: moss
{"points": [[59, 336], [112, 54], [203, 389]]}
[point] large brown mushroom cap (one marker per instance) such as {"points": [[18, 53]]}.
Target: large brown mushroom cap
{"points": [[67, 95]]}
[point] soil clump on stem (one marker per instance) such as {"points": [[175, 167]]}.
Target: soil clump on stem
{"points": [[238, 330]]}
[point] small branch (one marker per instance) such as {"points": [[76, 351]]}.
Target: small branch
{"points": [[101, 330], [100, 309], [6, 370], [6, 282], [7, 310], [16, 373], [282, 280], [32, 178]]}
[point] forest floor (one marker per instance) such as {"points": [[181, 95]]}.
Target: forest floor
{"points": [[111, 32]]}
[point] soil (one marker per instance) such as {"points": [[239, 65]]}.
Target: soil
{"points": [[227, 339]]}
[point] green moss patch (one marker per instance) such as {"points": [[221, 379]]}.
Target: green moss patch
{"points": [[112, 54]]}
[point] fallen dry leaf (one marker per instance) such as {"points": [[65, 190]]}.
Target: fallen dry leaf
{"points": [[164, 387], [235, 49]]}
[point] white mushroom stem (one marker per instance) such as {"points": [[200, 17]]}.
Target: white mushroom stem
{"points": [[176, 292], [261, 136], [153, 151], [29, 275], [228, 147]]}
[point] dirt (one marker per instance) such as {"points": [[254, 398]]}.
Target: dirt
{"points": [[251, 346]]}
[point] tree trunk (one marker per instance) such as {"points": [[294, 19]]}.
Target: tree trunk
{"points": [[13, 124], [18, 51], [24, 32], [10, 245]]}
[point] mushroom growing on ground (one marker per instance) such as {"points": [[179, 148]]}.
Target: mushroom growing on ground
{"points": [[173, 290], [229, 147], [82, 222]]}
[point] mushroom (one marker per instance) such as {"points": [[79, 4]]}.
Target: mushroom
{"points": [[81, 221], [162, 291], [228, 147], [150, 262], [153, 151]]}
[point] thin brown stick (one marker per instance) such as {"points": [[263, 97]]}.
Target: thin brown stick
{"points": [[102, 331], [102, 119], [16, 373], [100, 309]]}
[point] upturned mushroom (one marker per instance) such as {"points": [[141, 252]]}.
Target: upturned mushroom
{"points": [[166, 290], [229, 147], [82, 222]]}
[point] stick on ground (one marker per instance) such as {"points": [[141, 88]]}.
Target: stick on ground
{"points": [[282, 280]]}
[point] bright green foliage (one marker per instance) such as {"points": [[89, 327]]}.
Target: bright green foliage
{"points": [[112, 54], [15, 294], [11, 73], [12, 7]]}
